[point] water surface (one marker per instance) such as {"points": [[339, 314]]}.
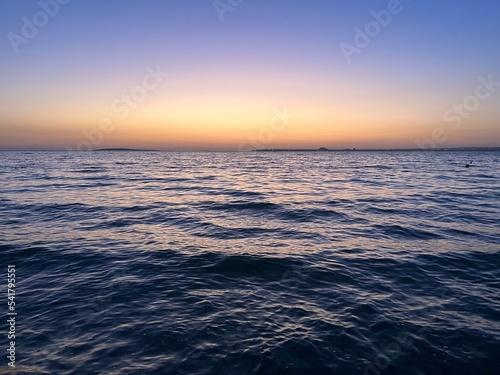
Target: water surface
{"points": [[254, 263]]}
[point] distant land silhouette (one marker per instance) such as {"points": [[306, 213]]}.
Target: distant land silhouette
{"points": [[324, 149], [321, 149], [122, 149]]}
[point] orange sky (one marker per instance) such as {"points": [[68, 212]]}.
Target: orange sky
{"points": [[187, 80]]}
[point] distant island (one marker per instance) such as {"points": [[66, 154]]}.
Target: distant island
{"points": [[321, 149], [324, 149], [122, 149]]}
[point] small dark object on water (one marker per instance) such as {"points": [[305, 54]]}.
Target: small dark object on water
{"points": [[468, 164]]}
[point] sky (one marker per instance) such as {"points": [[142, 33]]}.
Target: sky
{"points": [[240, 75]]}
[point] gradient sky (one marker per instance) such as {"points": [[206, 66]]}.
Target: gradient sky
{"points": [[228, 78]]}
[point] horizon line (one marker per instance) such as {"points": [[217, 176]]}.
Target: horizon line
{"points": [[320, 149]]}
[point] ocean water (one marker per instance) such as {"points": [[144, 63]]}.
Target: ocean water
{"points": [[252, 263]]}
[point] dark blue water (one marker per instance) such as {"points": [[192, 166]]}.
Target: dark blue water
{"points": [[259, 263]]}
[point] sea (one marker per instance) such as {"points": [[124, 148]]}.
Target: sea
{"points": [[220, 263]]}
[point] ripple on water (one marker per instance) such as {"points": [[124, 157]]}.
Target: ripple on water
{"points": [[228, 263]]}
